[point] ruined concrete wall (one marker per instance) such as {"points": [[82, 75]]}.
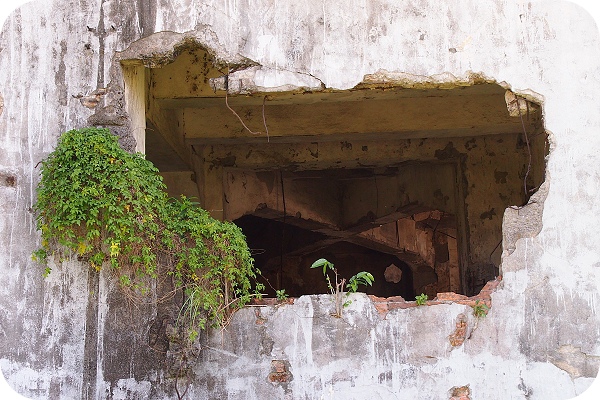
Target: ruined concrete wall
{"points": [[72, 336]]}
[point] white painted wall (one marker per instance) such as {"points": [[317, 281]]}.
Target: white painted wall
{"points": [[549, 299]]}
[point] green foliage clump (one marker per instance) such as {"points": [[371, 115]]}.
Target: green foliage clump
{"points": [[109, 207], [281, 295], [480, 309], [421, 299], [213, 264], [100, 202]]}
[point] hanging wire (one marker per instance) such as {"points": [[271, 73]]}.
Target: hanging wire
{"points": [[240, 118], [528, 147]]}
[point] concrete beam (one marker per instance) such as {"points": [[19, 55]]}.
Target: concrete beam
{"points": [[365, 114]]}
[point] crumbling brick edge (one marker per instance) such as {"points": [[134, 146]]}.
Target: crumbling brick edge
{"points": [[387, 304]]}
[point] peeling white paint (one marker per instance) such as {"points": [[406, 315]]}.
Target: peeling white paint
{"points": [[125, 387], [528, 45]]}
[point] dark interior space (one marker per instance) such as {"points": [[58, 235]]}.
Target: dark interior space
{"points": [[280, 252]]}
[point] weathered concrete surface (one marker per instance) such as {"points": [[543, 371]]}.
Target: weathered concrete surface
{"points": [[66, 336]]}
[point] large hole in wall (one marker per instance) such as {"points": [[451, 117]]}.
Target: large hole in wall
{"points": [[408, 181], [359, 219]]}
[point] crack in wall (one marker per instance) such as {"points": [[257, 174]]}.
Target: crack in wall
{"points": [[575, 362]]}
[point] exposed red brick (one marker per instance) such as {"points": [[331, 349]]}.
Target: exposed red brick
{"points": [[259, 318], [279, 372], [460, 333], [381, 307], [450, 296], [460, 393], [385, 305], [278, 377], [278, 366]]}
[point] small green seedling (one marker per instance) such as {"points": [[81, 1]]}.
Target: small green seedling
{"points": [[362, 278], [480, 309], [337, 288], [421, 299], [193, 335], [281, 295]]}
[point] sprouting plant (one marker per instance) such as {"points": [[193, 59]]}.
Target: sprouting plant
{"points": [[193, 335], [362, 278], [281, 295], [421, 299], [337, 286], [480, 309]]}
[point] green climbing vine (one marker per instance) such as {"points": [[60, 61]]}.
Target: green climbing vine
{"points": [[109, 207]]}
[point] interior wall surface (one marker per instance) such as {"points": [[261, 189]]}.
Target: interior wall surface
{"points": [[72, 335], [488, 167]]}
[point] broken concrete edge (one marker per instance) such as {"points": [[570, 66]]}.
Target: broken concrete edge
{"points": [[271, 301], [162, 48], [526, 94], [519, 103], [244, 76], [386, 79], [526, 221], [519, 106], [248, 77], [385, 305], [110, 102], [528, 216], [261, 80], [241, 75]]}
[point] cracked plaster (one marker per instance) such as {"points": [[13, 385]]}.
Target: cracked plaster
{"points": [[548, 268]]}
